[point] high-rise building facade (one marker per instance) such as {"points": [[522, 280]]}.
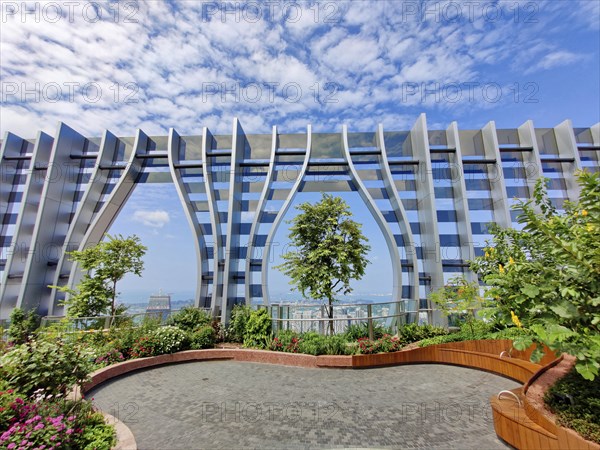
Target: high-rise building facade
{"points": [[431, 192]]}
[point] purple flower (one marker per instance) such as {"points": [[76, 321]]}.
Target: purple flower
{"points": [[11, 446], [39, 426], [69, 431]]}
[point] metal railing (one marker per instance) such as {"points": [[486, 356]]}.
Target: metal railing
{"points": [[315, 317], [104, 322]]}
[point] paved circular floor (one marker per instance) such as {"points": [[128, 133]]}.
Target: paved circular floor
{"points": [[227, 404]]}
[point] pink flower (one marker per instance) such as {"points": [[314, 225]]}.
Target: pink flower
{"points": [[39, 426], [11, 446], [69, 431]]}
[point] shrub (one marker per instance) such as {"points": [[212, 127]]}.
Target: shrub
{"points": [[45, 422], [204, 337], [385, 344], [544, 277], [110, 356], [482, 331], [239, 320], [361, 330], [53, 367], [189, 318], [22, 325], [124, 339], [310, 343], [576, 402], [413, 332], [168, 339], [258, 329]]}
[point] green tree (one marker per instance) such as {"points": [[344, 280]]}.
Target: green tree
{"points": [[459, 297], [330, 251], [546, 277], [22, 326], [105, 264]]}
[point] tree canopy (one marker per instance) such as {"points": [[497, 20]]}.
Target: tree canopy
{"points": [[105, 264], [330, 250]]}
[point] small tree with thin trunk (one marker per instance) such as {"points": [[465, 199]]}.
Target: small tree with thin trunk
{"points": [[105, 264], [330, 251]]}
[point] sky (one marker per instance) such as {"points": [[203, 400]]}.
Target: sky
{"points": [[155, 65]]}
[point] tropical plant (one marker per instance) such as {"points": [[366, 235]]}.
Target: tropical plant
{"points": [[237, 325], [360, 330], [258, 329], [414, 332], [546, 277], [330, 251]]}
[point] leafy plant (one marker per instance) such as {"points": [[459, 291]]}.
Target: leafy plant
{"points": [[258, 329], [203, 337], [361, 330], [239, 319], [459, 297], [54, 367], [330, 251], [385, 344], [168, 339], [576, 402], [546, 277], [105, 265], [189, 318], [23, 324], [413, 332]]}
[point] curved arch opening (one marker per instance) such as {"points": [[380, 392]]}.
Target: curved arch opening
{"points": [[376, 284], [153, 212]]}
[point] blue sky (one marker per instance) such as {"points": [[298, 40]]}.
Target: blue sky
{"points": [[155, 65]]}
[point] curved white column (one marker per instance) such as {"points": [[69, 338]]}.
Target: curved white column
{"points": [[114, 203], [401, 217], [461, 201], [281, 214], [12, 276], [99, 179], [378, 216], [567, 148], [258, 215], [52, 221], [497, 184], [190, 214], [215, 223]]}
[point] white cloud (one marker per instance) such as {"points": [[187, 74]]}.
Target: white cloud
{"points": [[153, 71], [154, 219]]}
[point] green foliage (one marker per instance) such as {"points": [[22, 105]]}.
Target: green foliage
{"points": [[105, 264], [459, 297], [576, 402], [258, 329], [360, 330], [124, 339], [203, 337], [168, 339], [310, 343], [546, 277], [239, 319], [54, 367], [479, 331], [22, 325], [330, 251], [189, 318], [384, 344], [43, 421], [414, 332]]}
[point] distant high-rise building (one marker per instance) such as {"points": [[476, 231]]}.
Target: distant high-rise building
{"points": [[159, 305]]}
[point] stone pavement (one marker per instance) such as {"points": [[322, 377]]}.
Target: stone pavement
{"points": [[227, 405]]}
